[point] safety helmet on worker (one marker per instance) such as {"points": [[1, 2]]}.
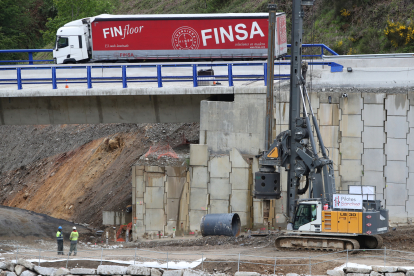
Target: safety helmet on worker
{"points": [[74, 227], [60, 228]]}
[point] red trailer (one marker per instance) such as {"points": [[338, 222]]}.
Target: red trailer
{"points": [[189, 36]]}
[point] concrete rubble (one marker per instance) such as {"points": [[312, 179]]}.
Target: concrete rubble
{"points": [[18, 269], [243, 273], [26, 264], [48, 271], [61, 271], [374, 271], [335, 273], [28, 273], [190, 272], [155, 272], [384, 269], [83, 271], [357, 270], [25, 268], [173, 273], [138, 270], [111, 270]]}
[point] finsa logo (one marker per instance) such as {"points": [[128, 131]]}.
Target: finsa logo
{"points": [[185, 38]]}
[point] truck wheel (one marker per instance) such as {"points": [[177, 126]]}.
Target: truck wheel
{"points": [[69, 61]]}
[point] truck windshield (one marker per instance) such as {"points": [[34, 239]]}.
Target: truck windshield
{"points": [[304, 214], [62, 42]]}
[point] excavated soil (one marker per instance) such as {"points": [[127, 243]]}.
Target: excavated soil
{"points": [[17, 224], [209, 242], [400, 238], [74, 172]]}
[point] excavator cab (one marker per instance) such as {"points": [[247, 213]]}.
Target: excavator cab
{"points": [[307, 216]]}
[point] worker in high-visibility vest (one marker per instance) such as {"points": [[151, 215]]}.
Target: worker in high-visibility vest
{"points": [[59, 238], [74, 235]]}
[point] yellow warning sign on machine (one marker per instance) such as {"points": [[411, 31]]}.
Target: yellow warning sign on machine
{"points": [[273, 153]]}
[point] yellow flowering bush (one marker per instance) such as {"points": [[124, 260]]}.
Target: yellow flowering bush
{"points": [[345, 13], [338, 47], [399, 34], [351, 51]]}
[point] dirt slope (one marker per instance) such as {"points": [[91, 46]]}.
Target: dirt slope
{"points": [[69, 172], [18, 223]]}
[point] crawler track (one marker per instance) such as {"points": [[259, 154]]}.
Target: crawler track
{"points": [[371, 242], [316, 242]]}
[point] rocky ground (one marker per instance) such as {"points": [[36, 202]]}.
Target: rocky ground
{"points": [[221, 253]]}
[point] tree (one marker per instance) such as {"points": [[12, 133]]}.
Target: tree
{"points": [[69, 10], [20, 24]]}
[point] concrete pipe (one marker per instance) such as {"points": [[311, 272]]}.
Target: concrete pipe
{"points": [[220, 224]]}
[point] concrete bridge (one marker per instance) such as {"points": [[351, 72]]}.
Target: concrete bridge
{"points": [[145, 102]]}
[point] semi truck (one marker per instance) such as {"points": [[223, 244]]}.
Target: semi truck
{"points": [[113, 38]]}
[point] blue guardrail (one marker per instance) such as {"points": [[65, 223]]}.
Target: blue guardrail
{"points": [[30, 52]]}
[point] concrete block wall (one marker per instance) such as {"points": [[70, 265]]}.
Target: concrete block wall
{"points": [[160, 198], [351, 146], [219, 184], [199, 179], [374, 139], [241, 182], [370, 138], [396, 151]]}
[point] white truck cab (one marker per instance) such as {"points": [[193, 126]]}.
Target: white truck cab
{"points": [[72, 43]]}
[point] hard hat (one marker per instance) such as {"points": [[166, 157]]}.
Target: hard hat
{"points": [[74, 227], [60, 228]]}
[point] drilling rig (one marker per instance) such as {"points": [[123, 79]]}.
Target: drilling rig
{"points": [[322, 218]]}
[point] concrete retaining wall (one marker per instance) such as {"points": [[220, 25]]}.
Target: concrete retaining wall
{"points": [[219, 184], [160, 199]]}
